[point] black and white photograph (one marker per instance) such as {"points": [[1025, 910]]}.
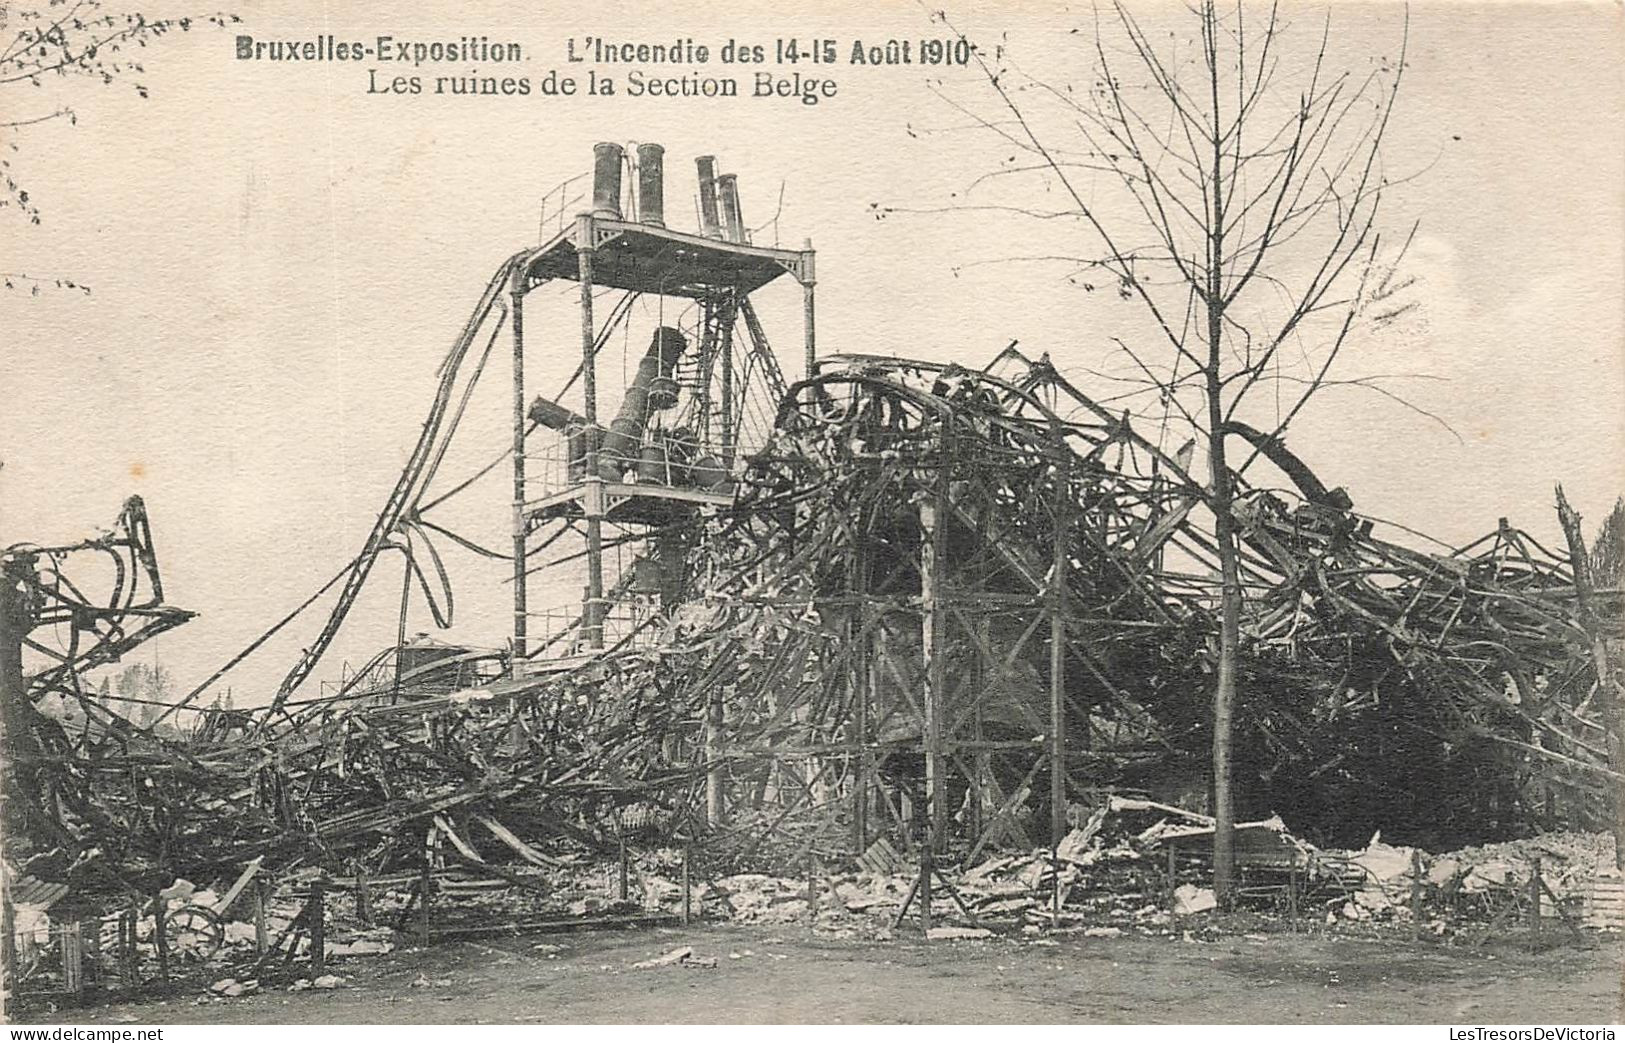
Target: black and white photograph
{"points": [[1053, 513]]}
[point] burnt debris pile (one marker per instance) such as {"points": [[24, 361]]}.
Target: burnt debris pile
{"points": [[940, 600]]}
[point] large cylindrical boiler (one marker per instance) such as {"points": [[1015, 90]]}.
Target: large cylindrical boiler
{"points": [[621, 448]]}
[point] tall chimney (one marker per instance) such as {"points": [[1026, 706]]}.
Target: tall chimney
{"points": [[606, 180], [651, 185], [733, 221], [710, 225]]}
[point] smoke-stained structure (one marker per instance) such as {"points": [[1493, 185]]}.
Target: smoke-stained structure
{"points": [[893, 599]]}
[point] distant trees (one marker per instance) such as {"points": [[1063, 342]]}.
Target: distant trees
{"points": [[150, 684], [1608, 550]]}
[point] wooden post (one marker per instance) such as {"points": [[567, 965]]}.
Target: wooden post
{"points": [[1534, 896], [73, 960], [687, 886], [131, 956], [261, 936], [714, 808], [924, 887], [1055, 888], [1173, 876], [160, 933], [1416, 894], [363, 898], [425, 897], [624, 882], [1292, 895], [92, 943], [318, 926]]}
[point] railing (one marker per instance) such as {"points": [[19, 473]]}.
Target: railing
{"points": [[555, 463], [560, 206], [558, 632]]}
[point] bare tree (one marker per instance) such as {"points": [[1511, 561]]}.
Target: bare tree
{"points": [[1230, 187], [55, 42]]}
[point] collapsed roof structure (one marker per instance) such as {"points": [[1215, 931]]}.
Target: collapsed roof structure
{"points": [[896, 598]]}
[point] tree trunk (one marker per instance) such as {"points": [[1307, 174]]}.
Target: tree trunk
{"points": [[1607, 690], [1224, 687]]}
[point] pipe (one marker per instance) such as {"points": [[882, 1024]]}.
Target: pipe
{"points": [[606, 180], [651, 185], [710, 224], [573, 426], [625, 435], [521, 650], [733, 219], [553, 416]]}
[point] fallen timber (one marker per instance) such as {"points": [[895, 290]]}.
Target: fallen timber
{"points": [[973, 596]]}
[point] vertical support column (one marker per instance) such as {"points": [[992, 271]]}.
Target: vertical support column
{"points": [[592, 616], [516, 316], [1057, 646], [728, 314], [808, 314], [858, 649], [981, 760], [933, 555]]}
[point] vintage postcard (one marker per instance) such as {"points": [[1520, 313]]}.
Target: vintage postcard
{"points": [[888, 513]]}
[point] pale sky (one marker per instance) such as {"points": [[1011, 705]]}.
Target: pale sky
{"points": [[280, 261]]}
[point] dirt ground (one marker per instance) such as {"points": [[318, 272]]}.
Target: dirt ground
{"points": [[786, 975]]}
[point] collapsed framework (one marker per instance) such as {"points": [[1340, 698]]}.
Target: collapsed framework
{"points": [[894, 599]]}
